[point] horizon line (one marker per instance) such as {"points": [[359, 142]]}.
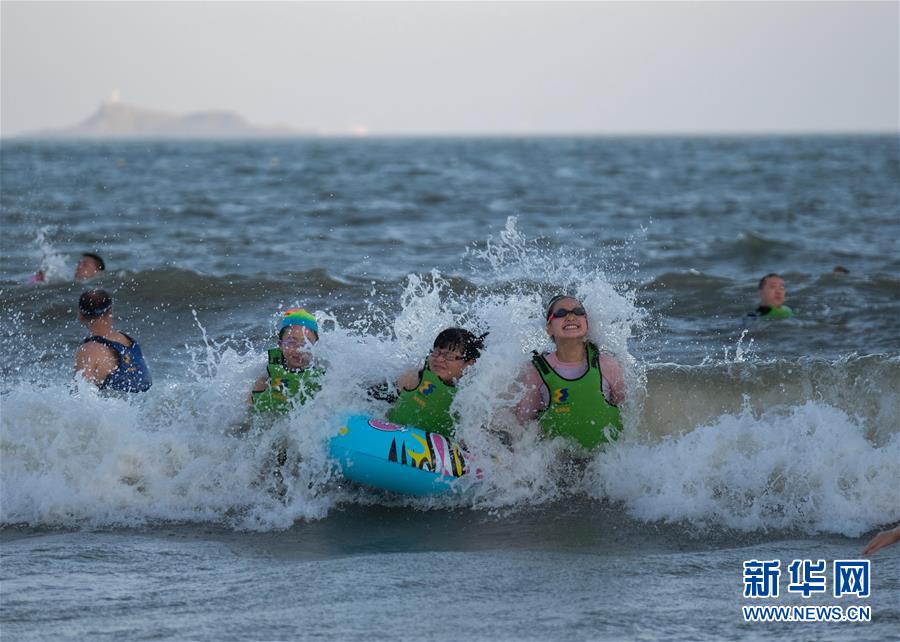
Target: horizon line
{"points": [[38, 137]]}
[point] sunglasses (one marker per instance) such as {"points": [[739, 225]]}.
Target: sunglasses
{"points": [[562, 313]]}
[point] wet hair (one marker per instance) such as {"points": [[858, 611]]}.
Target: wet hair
{"points": [[100, 264], [557, 299], [462, 340], [840, 269], [762, 281], [94, 303]]}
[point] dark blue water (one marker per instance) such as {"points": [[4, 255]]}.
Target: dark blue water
{"points": [[688, 225]]}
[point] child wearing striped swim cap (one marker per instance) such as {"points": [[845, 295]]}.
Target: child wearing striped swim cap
{"points": [[291, 378], [297, 331]]}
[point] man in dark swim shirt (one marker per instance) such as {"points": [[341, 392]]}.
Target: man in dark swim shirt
{"points": [[108, 358]]}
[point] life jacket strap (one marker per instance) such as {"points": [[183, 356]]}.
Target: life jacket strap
{"points": [[540, 362]]}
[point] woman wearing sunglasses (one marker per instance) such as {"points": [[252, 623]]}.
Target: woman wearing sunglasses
{"points": [[574, 390], [290, 377], [426, 394]]}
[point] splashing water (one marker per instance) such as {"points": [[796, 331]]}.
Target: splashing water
{"points": [[191, 451], [52, 264]]}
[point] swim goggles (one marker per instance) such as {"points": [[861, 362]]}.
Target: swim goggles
{"points": [[562, 313]]}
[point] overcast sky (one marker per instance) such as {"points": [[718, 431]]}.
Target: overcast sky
{"points": [[462, 68]]}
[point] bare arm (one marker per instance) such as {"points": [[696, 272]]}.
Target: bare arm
{"points": [[94, 362], [884, 538], [531, 404], [612, 371], [258, 386], [409, 380]]}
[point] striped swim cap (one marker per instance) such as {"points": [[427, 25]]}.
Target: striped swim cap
{"points": [[298, 316]]}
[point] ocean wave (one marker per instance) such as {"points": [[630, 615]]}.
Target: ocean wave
{"points": [[808, 468], [689, 280], [187, 451], [679, 398], [719, 446]]}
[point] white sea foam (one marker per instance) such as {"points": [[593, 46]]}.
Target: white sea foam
{"points": [[53, 264], [808, 467], [187, 451]]}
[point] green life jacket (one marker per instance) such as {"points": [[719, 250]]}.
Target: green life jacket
{"points": [[782, 312], [286, 388], [577, 407], [427, 407]]}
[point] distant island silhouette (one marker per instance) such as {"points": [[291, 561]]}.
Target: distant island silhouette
{"points": [[114, 119]]}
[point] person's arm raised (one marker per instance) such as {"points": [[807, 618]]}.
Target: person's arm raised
{"points": [[409, 380]]}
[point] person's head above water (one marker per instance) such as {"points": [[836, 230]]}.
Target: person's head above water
{"points": [[298, 317], [297, 332], [771, 291], [94, 304], [89, 266], [566, 318], [454, 350]]}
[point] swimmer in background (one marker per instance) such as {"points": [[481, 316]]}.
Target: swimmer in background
{"points": [[426, 393], [108, 358], [771, 298], [290, 378], [89, 266], [575, 390]]}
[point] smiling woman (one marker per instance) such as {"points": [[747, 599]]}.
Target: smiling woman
{"points": [[574, 390]]}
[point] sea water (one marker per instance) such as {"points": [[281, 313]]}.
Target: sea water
{"points": [[160, 516]]}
